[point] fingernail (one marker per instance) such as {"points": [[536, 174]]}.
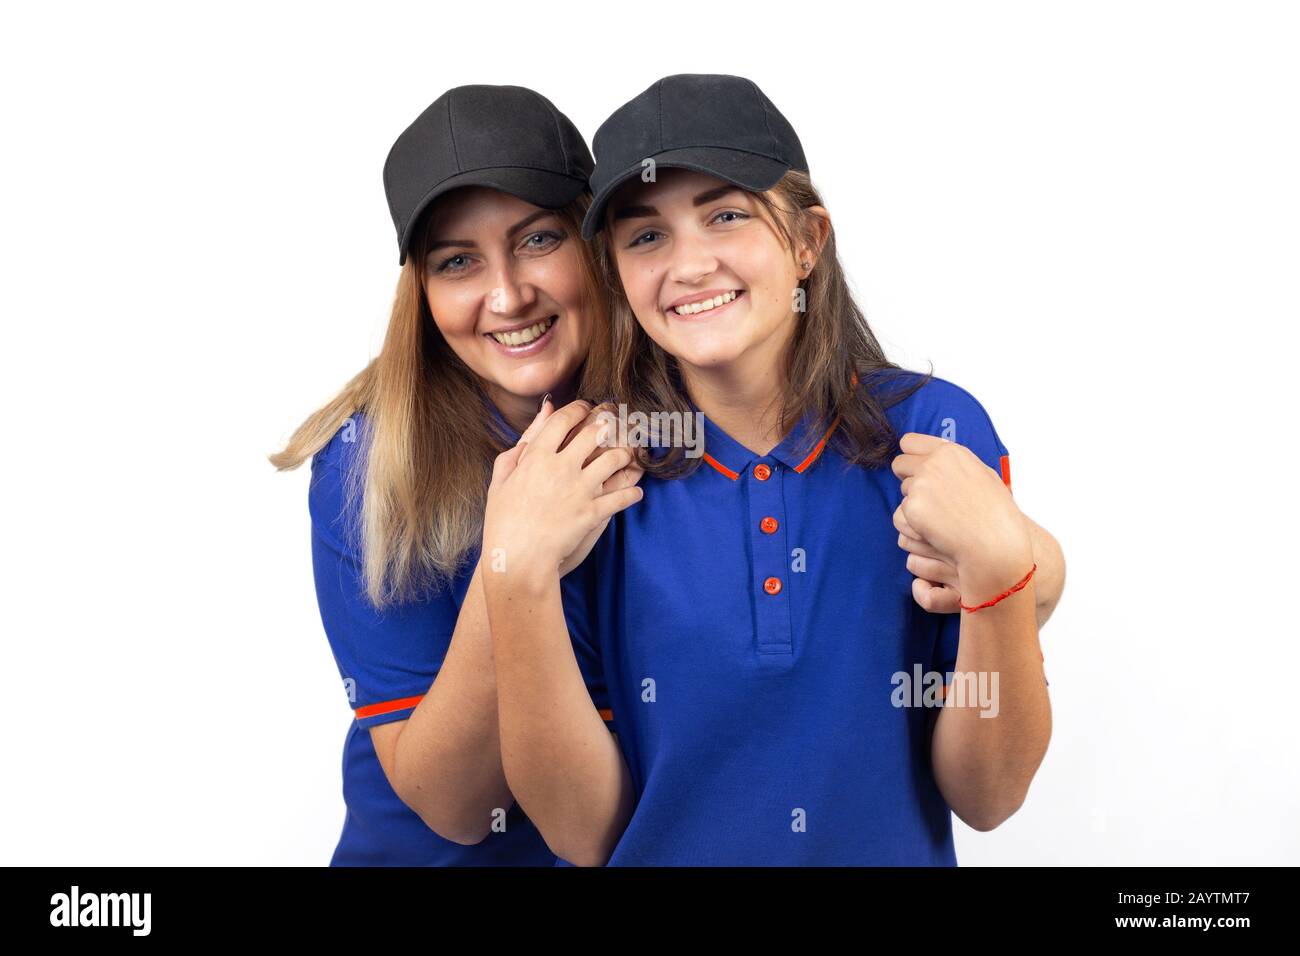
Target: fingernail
{"points": [[542, 404]]}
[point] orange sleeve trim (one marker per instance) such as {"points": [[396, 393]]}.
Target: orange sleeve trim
{"points": [[1005, 462], [388, 706], [812, 455], [733, 475], [402, 703]]}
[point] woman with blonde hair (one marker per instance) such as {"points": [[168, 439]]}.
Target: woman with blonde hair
{"points": [[498, 305]]}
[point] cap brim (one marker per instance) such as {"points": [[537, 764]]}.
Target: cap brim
{"points": [[538, 186], [746, 170]]}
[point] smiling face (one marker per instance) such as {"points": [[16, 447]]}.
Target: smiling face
{"points": [[708, 278], [504, 282]]}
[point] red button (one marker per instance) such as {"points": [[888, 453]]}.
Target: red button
{"points": [[772, 585], [762, 472], [768, 525]]}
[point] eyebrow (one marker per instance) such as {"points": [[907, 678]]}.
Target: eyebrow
{"points": [[444, 243], [644, 212]]}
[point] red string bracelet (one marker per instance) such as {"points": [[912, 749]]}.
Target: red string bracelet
{"points": [[1007, 593]]}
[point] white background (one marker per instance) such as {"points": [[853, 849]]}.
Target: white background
{"points": [[1085, 214]]}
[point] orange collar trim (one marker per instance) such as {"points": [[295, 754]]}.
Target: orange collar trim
{"points": [[722, 469], [813, 455], [800, 468]]}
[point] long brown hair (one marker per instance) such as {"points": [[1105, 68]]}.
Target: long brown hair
{"points": [[832, 349], [428, 454]]}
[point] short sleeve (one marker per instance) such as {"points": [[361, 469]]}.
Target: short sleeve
{"points": [[389, 659], [955, 415]]}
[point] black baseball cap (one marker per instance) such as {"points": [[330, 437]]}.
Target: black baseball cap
{"points": [[709, 122], [507, 137]]}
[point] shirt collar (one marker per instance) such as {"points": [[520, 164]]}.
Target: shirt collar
{"points": [[500, 419], [730, 458]]}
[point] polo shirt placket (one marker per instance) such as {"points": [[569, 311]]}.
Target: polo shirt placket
{"points": [[765, 482]]}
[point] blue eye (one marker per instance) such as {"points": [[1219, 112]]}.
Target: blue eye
{"points": [[637, 241], [731, 212], [446, 264], [548, 239]]}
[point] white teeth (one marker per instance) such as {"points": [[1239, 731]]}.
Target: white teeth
{"points": [[691, 308], [523, 336]]}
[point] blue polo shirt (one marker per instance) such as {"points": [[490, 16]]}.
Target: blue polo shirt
{"points": [[752, 617], [388, 661]]}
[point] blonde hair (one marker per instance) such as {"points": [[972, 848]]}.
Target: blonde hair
{"points": [[428, 457], [832, 349]]}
